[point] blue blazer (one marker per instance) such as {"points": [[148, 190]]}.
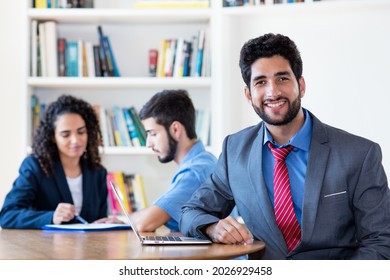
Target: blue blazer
{"points": [[346, 205], [34, 196]]}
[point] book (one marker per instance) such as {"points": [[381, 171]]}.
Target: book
{"points": [[80, 50], [90, 59], [103, 54], [110, 128], [194, 52], [138, 125], [187, 58], [112, 57], [42, 50], [203, 126], [34, 48], [35, 113], [139, 192], [134, 137], [72, 59], [40, 4], [169, 57], [120, 182], [61, 47], [199, 54], [179, 61], [51, 53], [103, 125], [153, 55], [115, 128], [97, 63], [121, 125], [114, 207], [128, 180], [107, 53], [163, 46]]}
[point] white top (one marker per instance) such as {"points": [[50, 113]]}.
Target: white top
{"points": [[76, 189]]}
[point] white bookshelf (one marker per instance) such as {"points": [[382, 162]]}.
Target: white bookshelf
{"points": [[132, 32]]}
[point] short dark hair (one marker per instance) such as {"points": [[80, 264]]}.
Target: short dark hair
{"points": [[269, 45], [45, 149], [168, 106]]}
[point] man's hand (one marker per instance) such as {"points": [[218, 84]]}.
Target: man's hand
{"points": [[229, 231]]}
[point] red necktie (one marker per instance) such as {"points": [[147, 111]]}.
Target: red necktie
{"points": [[283, 204]]}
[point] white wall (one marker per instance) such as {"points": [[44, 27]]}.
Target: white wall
{"points": [[11, 82], [346, 56]]}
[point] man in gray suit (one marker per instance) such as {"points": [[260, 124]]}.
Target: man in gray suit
{"points": [[336, 181]]}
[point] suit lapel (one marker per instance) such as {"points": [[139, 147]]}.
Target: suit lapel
{"points": [[316, 168], [87, 192], [263, 208], [61, 183]]}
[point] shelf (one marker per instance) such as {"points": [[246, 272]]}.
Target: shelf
{"points": [[311, 6], [113, 82], [122, 15]]}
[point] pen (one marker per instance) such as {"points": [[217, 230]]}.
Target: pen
{"points": [[81, 219]]}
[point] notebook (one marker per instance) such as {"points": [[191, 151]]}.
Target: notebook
{"points": [[156, 240]]}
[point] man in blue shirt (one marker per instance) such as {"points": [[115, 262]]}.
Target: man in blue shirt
{"points": [[308, 190], [169, 121]]}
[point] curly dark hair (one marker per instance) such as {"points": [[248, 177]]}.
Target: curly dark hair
{"points": [[45, 149], [171, 105], [269, 45]]}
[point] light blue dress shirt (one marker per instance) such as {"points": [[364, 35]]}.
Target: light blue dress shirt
{"points": [[195, 168], [296, 163]]}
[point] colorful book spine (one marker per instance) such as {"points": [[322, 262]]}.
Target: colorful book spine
{"points": [[120, 182], [115, 69], [138, 124], [131, 128], [113, 204], [200, 50], [61, 43], [72, 59]]}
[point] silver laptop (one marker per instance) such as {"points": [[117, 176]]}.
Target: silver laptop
{"points": [[156, 240]]}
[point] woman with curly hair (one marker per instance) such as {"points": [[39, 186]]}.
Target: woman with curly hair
{"points": [[63, 177]]}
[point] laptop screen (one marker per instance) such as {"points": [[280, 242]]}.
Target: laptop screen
{"points": [[119, 197]]}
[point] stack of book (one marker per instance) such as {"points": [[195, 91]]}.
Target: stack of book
{"points": [[131, 188], [178, 57], [57, 57], [47, 4], [121, 127], [235, 3]]}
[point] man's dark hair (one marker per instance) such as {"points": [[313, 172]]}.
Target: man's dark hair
{"points": [[168, 106], [269, 45]]}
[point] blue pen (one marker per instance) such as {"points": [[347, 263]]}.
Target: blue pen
{"points": [[81, 219]]}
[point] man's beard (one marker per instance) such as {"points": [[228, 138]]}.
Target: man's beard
{"points": [[293, 110], [172, 147]]}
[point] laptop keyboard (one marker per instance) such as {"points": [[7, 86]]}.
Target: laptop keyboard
{"points": [[162, 238]]}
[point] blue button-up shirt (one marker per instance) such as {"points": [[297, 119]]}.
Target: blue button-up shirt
{"points": [[194, 169], [296, 163]]}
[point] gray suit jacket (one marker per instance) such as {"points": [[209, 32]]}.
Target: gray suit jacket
{"points": [[346, 205]]}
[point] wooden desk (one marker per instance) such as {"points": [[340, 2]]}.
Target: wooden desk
{"points": [[122, 244]]}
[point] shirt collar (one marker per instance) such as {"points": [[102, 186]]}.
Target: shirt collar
{"points": [[300, 140], [196, 149]]}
